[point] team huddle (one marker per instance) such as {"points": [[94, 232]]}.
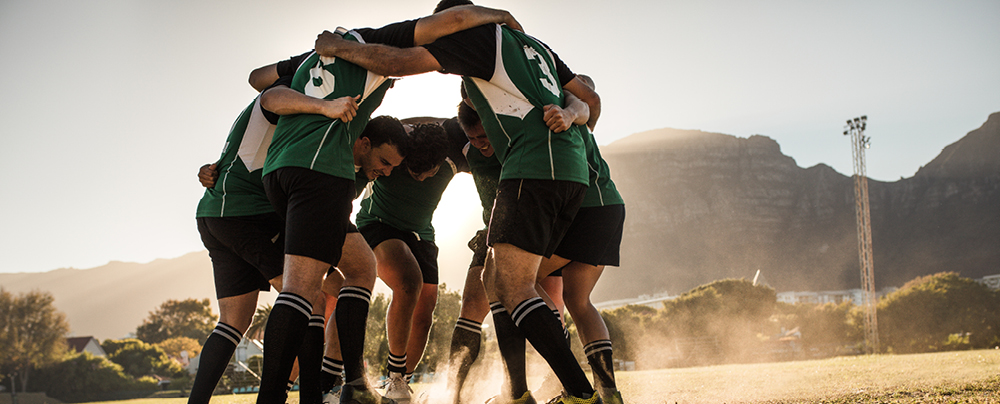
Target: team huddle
{"points": [[276, 212]]}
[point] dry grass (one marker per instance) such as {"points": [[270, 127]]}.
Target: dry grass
{"points": [[948, 377]]}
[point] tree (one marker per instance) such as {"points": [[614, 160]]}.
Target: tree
{"points": [[85, 377], [175, 346], [939, 312], [825, 328], [446, 311], [139, 359], [259, 322], [719, 321], [32, 333], [190, 318], [376, 342]]}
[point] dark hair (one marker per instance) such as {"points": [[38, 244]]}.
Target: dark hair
{"points": [[386, 129], [446, 4], [467, 116], [428, 147]]}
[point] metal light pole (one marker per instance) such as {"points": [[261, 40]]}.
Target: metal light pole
{"points": [[859, 142]]}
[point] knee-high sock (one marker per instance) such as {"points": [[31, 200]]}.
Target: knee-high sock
{"points": [[286, 326], [465, 343], [213, 361], [333, 374], [311, 361], [511, 343], [545, 333], [396, 363], [352, 317], [565, 328], [599, 355]]}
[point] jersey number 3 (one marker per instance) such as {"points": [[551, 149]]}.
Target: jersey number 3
{"points": [[548, 81]]}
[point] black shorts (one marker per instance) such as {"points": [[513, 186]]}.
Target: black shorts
{"points": [[595, 237], [479, 248], [246, 251], [316, 208], [533, 215], [425, 252]]}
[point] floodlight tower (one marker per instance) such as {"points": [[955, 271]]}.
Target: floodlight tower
{"points": [[859, 142]]}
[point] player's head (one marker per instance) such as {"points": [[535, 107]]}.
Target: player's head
{"points": [[473, 127], [446, 4], [381, 146], [465, 96], [428, 148]]}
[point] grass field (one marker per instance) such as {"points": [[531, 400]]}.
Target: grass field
{"points": [[948, 377]]}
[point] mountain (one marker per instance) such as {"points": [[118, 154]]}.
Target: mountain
{"points": [[700, 207], [110, 301], [704, 206]]}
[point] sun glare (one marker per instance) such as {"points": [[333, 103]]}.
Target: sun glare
{"points": [[428, 94]]}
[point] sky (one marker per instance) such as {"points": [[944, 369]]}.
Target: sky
{"points": [[110, 106]]}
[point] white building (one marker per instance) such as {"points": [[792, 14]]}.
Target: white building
{"points": [[992, 281]]}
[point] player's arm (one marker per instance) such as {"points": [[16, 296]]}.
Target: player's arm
{"points": [[558, 119], [377, 58], [460, 18], [585, 93], [282, 100], [262, 77]]}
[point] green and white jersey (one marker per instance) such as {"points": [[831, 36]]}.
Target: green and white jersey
{"points": [[322, 144], [239, 191], [315, 141], [486, 175], [510, 76], [602, 191], [402, 202]]}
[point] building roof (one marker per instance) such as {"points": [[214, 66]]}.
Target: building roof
{"points": [[78, 344]]}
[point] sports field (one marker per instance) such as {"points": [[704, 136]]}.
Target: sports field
{"points": [[948, 377]]}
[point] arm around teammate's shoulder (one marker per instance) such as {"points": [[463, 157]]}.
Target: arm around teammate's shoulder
{"points": [[377, 58], [282, 100], [586, 94], [460, 18]]}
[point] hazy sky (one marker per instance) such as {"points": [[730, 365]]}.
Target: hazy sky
{"points": [[111, 106]]}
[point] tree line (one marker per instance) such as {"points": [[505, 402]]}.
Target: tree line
{"points": [[726, 321]]}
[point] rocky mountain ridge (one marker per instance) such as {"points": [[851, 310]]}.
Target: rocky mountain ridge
{"points": [[704, 206]]}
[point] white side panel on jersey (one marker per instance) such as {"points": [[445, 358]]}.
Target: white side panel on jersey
{"points": [[256, 139], [500, 91], [374, 80]]}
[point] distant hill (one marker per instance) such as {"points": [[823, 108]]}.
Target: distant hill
{"points": [[110, 301], [703, 206], [700, 207]]}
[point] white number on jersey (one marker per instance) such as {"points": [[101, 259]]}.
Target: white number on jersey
{"points": [[548, 81], [321, 81]]}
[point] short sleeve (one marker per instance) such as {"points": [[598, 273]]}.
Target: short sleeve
{"points": [[398, 34], [467, 53], [288, 66]]}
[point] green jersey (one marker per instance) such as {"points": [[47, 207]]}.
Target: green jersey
{"points": [[239, 191], [315, 141], [402, 202], [602, 191], [486, 175], [320, 143], [510, 77]]}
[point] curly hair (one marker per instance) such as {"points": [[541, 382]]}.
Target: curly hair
{"points": [[428, 147]]}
